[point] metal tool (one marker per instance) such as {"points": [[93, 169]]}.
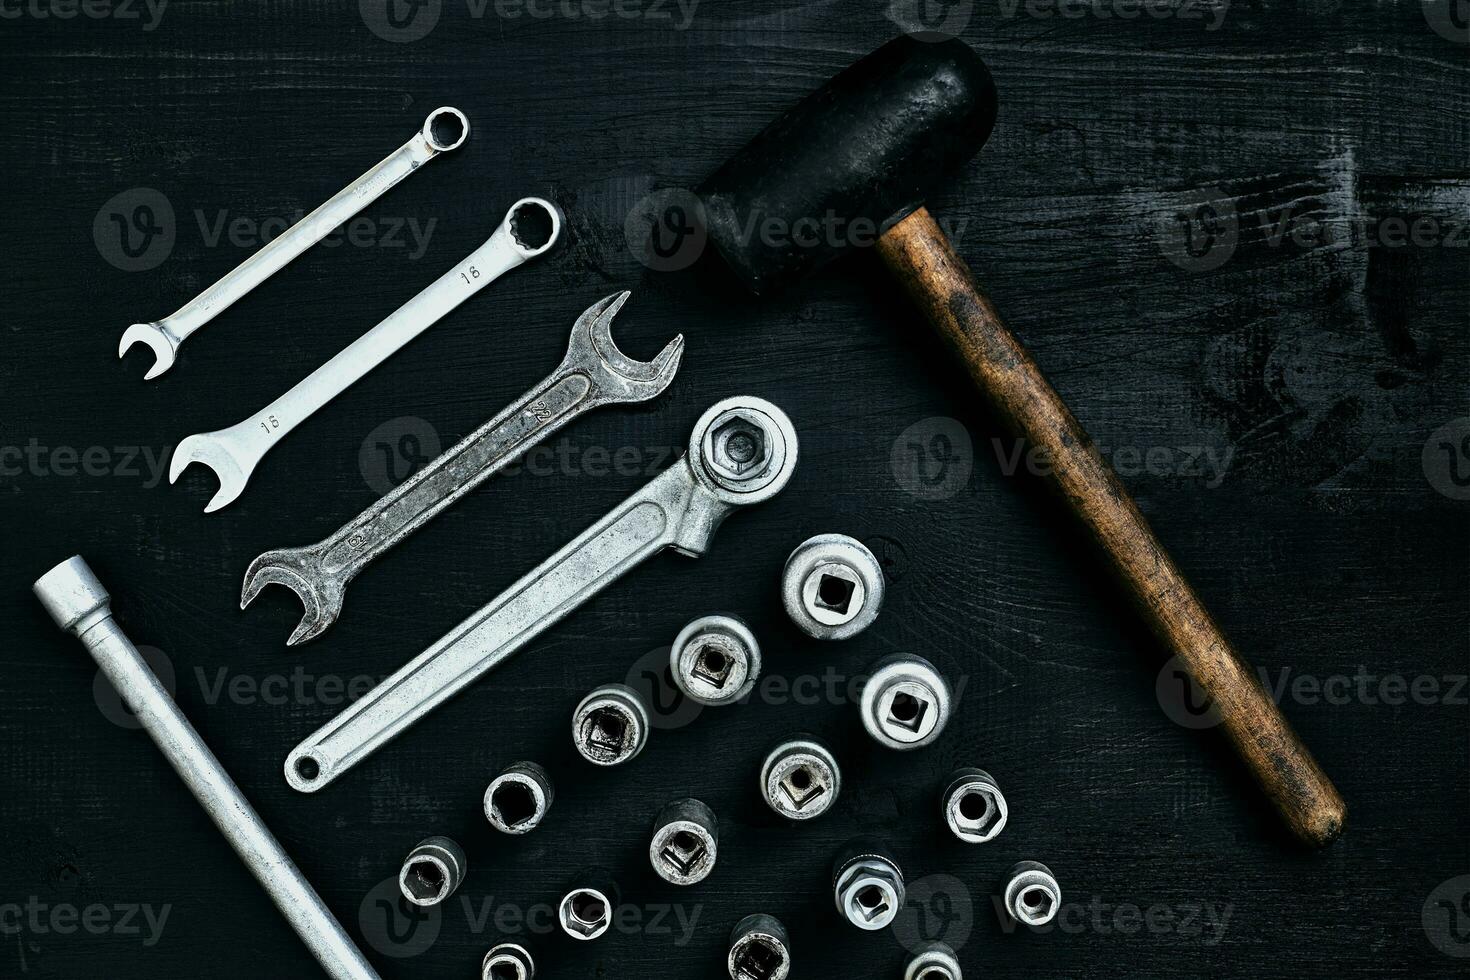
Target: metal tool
{"points": [[1032, 895], [832, 587], [906, 702], [517, 800], [586, 910], [686, 842], [933, 961], [715, 660], [800, 778], [760, 949], [80, 605], [742, 451], [508, 961], [445, 129], [432, 871], [233, 453], [973, 806], [867, 884], [610, 726], [593, 373]]}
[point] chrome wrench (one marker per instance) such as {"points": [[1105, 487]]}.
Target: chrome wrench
{"points": [[445, 129], [233, 453], [593, 373], [743, 451]]}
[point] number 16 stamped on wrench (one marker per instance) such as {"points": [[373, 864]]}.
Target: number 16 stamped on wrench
{"points": [[594, 373]]}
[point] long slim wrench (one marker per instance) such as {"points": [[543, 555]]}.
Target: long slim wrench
{"points": [[233, 453], [445, 129], [743, 451], [593, 373], [80, 605]]}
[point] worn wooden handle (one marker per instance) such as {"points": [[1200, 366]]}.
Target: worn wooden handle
{"points": [[938, 281]]}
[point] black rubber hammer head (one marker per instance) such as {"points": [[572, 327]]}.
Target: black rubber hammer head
{"points": [[851, 159]]}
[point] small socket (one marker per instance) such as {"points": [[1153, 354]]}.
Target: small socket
{"points": [[685, 845], [1032, 895], [832, 587], [800, 778], [517, 800], [867, 885], [715, 660], [759, 949], [432, 871], [586, 911], [933, 961], [610, 726], [906, 702], [508, 961], [974, 806]]}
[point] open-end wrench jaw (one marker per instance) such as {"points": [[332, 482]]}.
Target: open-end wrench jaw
{"points": [[165, 346], [215, 452], [592, 346], [301, 571]]}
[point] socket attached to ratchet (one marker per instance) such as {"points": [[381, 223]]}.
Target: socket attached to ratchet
{"points": [[743, 451], [445, 129], [530, 228], [593, 373]]}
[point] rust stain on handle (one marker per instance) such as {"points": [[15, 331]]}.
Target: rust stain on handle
{"points": [[939, 282]]}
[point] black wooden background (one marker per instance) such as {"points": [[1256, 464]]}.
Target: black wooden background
{"points": [[1203, 222]]}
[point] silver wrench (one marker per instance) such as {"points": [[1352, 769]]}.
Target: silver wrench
{"points": [[593, 373], [445, 129], [743, 451], [233, 453]]}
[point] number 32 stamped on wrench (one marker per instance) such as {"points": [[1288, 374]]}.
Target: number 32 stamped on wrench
{"points": [[743, 451], [593, 373]]}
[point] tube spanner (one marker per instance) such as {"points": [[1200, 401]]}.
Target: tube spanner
{"points": [[743, 451], [445, 129], [593, 373], [233, 453]]}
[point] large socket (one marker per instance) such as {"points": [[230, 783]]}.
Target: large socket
{"points": [[867, 884], [715, 660], [508, 961], [586, 910], [685, 844], [933, 961], [432, 871], [1032, 895], [800, 778], [760, 949], [832, 587], [906, 702], [610, 726], [973, 806], [517, 800]]}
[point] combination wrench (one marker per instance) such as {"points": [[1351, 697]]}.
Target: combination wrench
{"points": [[593, 373], [233, 453], [445, 129], [742, 451]]}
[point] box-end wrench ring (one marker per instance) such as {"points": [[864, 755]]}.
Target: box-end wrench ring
{"points": [[593, 373], [233, 453], [445, 129], [743, 451]]}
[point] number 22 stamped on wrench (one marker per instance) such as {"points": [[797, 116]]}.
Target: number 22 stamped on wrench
{"points": [[593, 373], [743, 451]]}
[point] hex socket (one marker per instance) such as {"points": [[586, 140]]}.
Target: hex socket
{"points": [[800, 778], [867, 884], [760, 949], [610, 726], [517, 800], [686, 841], [715, 660], [1032, 894], [832, 586], [973, 806], [508, 961], [432, 871], [586, 910], [906, 702], [933, 961]]}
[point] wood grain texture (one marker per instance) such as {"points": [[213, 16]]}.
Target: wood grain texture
{"points": [[1313, 366]]}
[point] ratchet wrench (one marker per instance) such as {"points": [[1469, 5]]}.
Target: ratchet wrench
{"points": [[743, 451], [233, 453], [593, 373], [445, 129]]}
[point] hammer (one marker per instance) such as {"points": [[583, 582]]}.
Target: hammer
{"points": [[864, 151]]}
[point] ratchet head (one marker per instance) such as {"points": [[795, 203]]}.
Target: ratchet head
{"points": [[611, 371], [300, 570], [214, 451], [743, 450], [165, 346]]}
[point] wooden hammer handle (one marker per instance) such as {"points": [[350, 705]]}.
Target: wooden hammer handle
{"points": [[937, 280]]}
